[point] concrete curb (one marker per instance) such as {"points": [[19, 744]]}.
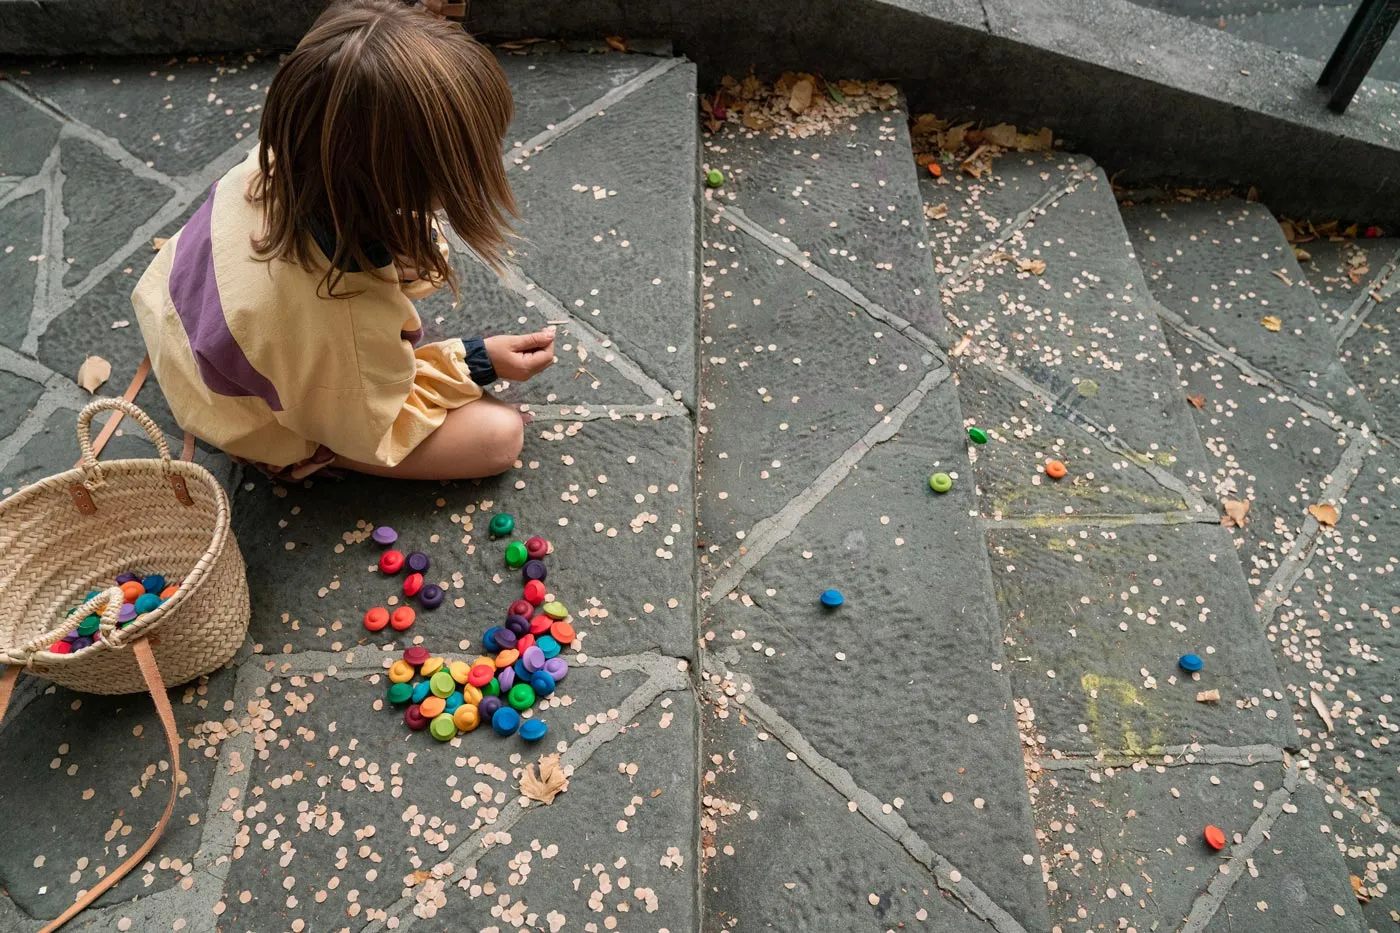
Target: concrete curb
{"points": [[1149, 95]]}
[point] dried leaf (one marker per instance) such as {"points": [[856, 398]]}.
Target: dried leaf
{"points": [[961, 346], [1197, 401], [1325, 514], [1301, 254], [883, 91], [1271, 323], [416, 878], [93, 373], [936, 211], [1033, 266], [1282, 277], [952, 139], [1042, 141], [550, 783], [1003, 135], [980, 161], [1236, 511], [1358, 887], [1208, 696], [616, 42], [1320, 707], [158, 242], [801, 96]]}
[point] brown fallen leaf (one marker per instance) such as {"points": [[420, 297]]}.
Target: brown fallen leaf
{"points": [[1358, 887], [1236, 511], [1325, 513], [656, 793], [416, 878], [1271, 323], [1301, 254], [961, 346], [1208, 696], [1033, 266], [801, 96], [1320, 707], [158, 242], [936, 211], [1197, 401], [1003, 134], [980, 161], [1282, 277], [617, 43], [93, 373], [550, 783]]}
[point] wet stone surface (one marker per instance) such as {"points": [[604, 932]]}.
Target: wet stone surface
{"points": [[1138, 853], [1097, 619], [99, 772], [753, 794]]}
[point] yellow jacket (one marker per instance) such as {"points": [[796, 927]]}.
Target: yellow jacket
{"points": [[253, 360]]}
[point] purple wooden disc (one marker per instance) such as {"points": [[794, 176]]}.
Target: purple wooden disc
{"points": [[384, 536], [505, 677], [127, 578], [431, 596], [534, 570], [518, 624], [557, 668], [127, 612], [418, 562], [533, 658], [488, 706]]}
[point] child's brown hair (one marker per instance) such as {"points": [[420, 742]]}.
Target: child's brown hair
{"points": [[381, 115]]}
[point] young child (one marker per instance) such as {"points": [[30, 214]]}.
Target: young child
{"points": [[279, 320]]}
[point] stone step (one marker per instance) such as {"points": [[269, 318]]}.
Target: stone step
{"points": [[1287, 431], [310, 802], [862, 762], [1106, 577]]}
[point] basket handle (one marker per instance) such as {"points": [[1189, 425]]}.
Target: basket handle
{"points": [[150, 671], [92, 470], [109, 601]]}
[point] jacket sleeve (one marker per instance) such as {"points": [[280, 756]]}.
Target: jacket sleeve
{"points": [[403, 393]]}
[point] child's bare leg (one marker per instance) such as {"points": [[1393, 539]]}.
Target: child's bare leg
{"points": [[476, 440]]}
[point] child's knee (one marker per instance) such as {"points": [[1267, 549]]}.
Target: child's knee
{"points": [[507, 438]]}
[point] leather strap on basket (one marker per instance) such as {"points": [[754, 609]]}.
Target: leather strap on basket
{"points": [[132, 388], [147, 662]]}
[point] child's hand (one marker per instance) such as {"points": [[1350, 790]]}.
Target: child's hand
{"points": [[517, 357]]}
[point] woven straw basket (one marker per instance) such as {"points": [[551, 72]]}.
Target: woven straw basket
{"points": [[74, 532]]}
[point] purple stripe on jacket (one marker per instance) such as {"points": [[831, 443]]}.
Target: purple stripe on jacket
{"points": [[195, 293]]}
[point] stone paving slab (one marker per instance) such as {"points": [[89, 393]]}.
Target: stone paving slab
{"points": [[795, 375], [1214, 264], [1341, 271], [1263, 449], [848, 201], [831, 869], [630, 590], [26, 145], [22, 223], [1096, 619], [1370, 357], [911, 566], [173, 115], [980, 211], [1083, 330], [624, 263], [92, 774], [1124, 848], [1023, 435]]}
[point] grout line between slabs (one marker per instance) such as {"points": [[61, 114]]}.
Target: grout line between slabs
{"points": [[788, 250], [1164, 478], [1210, 900], [1056, 520], [73, 127], [573, 121], [1043, 203], [1346, 471], [1179, 755], [56, 396], [871, 807], [769, 532], [664, 676], [1360, 309]]}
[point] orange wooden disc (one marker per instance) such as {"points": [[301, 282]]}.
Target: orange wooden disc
{"points": [[131, 591], [432, 706], [1215, 837], [563, 633], [1055, 469], [507, 658]]}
